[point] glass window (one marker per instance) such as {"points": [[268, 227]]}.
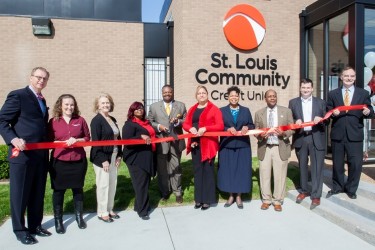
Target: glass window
{"points": [[315, 59], [338, 56], [369, 78], [155, 79]]}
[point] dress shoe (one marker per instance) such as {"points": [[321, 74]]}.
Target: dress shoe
{"points": [[265, 206], [145, 217], [332, 192], [179, 199], [301, 197], [314, 203], [114, 216], [41, 232], [277, 208], [240, 205], [27, 239], [107, 220], [351, 195], [205, 207], [197, 205]]}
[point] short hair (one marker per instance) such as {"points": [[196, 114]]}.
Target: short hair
{"points": [[41, 69], [200, 87], [270, 90], [235, 89], [96, 102], [346, 68], [167, 86], [57, 108], [133, 107], [306, 80]]}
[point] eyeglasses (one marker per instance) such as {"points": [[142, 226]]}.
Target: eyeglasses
{"points": [[140, 109], [41, 78]]}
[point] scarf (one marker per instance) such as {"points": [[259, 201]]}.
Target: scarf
{"points": [[146, 125]]}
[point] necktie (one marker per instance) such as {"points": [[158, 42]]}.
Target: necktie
{"points": [[168, 108], [272, 139], [270, 119], [41, 103], [40, 96], [346, 98]]}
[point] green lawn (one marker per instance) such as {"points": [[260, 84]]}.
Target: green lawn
{"points": [[125, 195]]}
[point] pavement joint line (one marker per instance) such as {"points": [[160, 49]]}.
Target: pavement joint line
{"points": [[169, 231]]}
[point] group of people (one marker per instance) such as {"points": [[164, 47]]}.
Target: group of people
{"points": [[24, 119]]}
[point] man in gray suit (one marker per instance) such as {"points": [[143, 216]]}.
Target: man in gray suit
{"points": [[273, 150], [166, 117], [309, 141]]}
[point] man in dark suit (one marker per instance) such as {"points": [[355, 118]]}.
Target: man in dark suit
{"points": [[166, 117], [23, 119], [309, 141], [347, 133], [274, 150]]}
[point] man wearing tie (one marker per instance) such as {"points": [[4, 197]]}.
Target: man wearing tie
{"points": [[347, 133], [166, 117], [273, 150], [23, 119], [309, 141]]}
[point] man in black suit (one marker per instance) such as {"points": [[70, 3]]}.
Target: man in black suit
{"points": [[347, 133], [309, 141], [23, 119]]}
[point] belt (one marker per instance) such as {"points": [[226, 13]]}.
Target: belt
{"points": [[272, 145], [307, 133]]}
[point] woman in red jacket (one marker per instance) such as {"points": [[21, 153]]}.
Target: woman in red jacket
{"points": [[203, 117]]}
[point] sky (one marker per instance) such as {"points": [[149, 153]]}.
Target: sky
{"points": [[151, 10]]}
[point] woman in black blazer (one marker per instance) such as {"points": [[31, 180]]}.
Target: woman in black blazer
{"points": [[139, 158], [106, 159]]}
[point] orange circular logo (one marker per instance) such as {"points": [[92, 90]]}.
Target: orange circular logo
{"points": [[244, 27]]}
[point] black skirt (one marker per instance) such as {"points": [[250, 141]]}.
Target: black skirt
{"points": [[67, 174]]}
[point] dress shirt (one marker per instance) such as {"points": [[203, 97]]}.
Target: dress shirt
{"points": [[307, 111], [59, 130]]}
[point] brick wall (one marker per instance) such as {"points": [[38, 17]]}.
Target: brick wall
{"points": [[84, 58]]}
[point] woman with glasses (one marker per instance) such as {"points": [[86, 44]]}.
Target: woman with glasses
{"points": [[203, 117], [139, 158], [106, 159]]}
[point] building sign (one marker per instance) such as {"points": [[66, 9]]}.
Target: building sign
{"points": [[244, 28]]}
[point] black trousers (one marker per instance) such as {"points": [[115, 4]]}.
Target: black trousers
{"points": [[141, 181], [354, 154], [27, 188], [204, 178], [316, 165]]}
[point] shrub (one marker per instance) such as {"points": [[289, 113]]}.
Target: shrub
{"points": [[4, 163]]}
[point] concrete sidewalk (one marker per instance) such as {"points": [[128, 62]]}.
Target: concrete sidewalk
{"points": [[184, 227]]}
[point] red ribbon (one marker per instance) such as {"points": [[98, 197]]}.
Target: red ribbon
{"points": [[50, 145]]}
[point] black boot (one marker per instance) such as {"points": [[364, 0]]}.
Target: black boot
{"points": [[58, 203], [59, 226], [79, 214]]}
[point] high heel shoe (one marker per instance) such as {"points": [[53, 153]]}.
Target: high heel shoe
{"points": [[114, 216], [107, 220], [239, 203]]}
